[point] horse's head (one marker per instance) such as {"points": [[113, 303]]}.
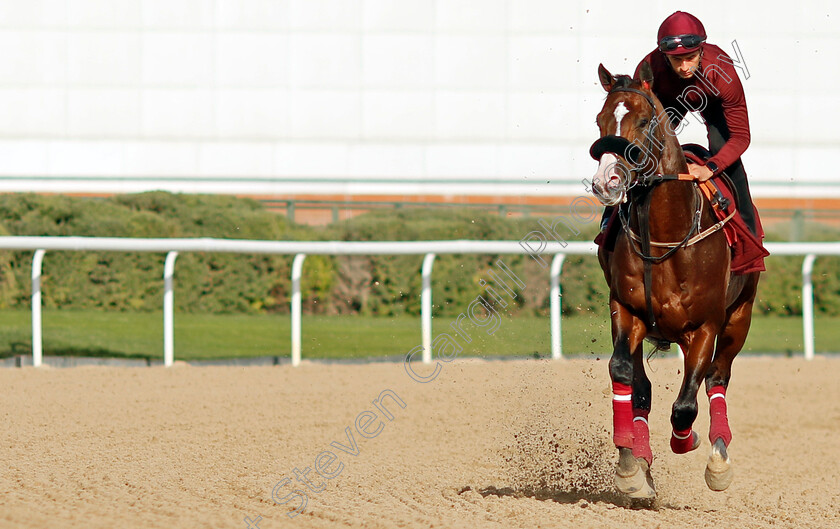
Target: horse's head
{"points": [[632, 138]]}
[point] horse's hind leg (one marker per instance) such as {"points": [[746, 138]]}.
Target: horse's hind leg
{"points": [[632, 475], [718, 469]]}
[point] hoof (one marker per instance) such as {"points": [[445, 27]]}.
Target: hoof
{"points": [[719, 472], [632, 476], [684, 446]]}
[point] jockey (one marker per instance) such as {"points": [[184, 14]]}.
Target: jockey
{"points": [[690, 74]]}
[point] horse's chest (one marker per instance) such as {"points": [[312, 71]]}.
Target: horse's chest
{"points": [[631, 291], [668, 294]]}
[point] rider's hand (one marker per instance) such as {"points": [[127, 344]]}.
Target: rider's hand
{"points": [[700, 172]]}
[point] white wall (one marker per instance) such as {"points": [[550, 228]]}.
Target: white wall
{"points": [[423, 96]]}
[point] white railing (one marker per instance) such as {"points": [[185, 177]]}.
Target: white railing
{"points": [[300, 249]]}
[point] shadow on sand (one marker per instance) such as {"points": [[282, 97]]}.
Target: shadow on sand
{"points": [[574, 496]]}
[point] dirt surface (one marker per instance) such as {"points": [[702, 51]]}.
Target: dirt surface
{"points": [[486, 444]]}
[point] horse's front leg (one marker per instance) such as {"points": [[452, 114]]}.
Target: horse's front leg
{"points": [[641, 409], [698, 348], [719, 472], [632, 475]]}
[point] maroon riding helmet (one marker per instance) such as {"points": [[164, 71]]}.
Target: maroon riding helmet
{"points": [[680, 33]]}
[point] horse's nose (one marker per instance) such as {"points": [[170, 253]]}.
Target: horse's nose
{"points": [[606, 176], [607, 184]]}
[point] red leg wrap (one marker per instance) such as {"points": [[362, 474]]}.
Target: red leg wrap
{"points": [[641, 435], [682, 441], [719, 427], [622, 415]]}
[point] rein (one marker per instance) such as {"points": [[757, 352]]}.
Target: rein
{"points": [[697, 238], [644, 240], [714, 197], [712, 194]]}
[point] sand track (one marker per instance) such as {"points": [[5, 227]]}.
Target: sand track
{"points": [[486, 444]]}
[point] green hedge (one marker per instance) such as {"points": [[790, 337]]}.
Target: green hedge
{"points": [[375, 285]]}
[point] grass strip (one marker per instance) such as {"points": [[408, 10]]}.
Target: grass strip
{"points": [[215, 336]]}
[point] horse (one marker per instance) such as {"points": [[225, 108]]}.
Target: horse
{"points": [[670, 282]]}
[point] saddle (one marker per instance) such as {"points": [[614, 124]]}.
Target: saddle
{"points": [[748, 252]]}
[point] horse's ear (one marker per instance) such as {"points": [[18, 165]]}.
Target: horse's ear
{"points": [[607, 80], [646, 75]]}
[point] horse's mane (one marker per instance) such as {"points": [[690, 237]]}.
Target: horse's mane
{"points": [[623, 81]]}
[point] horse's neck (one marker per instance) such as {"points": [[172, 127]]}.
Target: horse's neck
{"points": [[671, 202], [672, 160], [670, 210]]}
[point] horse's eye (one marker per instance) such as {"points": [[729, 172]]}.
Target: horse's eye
{"points": [[643, 122]]}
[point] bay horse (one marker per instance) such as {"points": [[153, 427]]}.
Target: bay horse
{"points": [[669, 278]]}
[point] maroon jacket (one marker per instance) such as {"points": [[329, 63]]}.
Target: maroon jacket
{"points": [[725, 105]]}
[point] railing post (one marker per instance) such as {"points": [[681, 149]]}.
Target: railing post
{"points": [[556, 307], [808, 306], [426, 307], [297, 272], [168, 310], [37, 346]]}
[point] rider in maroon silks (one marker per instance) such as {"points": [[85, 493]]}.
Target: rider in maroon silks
{"points": [[692, 75]]}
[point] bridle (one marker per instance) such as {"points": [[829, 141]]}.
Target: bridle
{"points": [[621, 146], [647, 180]]}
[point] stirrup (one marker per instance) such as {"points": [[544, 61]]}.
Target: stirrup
{"points": [[604, 223], [608, 213]]}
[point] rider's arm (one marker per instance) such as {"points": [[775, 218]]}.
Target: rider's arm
{"points": [[734, 111]]}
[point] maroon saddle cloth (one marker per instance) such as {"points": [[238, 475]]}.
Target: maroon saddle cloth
{"points": [[748, 251]]}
